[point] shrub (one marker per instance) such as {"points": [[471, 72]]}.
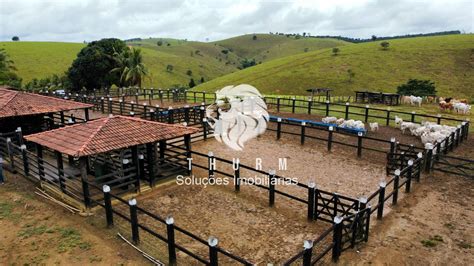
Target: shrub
{"points": [[335, 51], [417, 87], [385, 45], [15, 38]]}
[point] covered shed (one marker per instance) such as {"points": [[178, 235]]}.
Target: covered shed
{"points": [[117, 151], [33, 112], [377, 97]]}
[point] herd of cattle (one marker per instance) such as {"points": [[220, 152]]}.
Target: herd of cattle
{"points": [[460, 106]]}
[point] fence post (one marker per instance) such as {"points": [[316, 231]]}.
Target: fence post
{"points": [[392, 145], [458, 134], [327, 108], [171, 243], [186, 114], [429, 157], [293, 105], [308, 252], [237, 176], [387, 122], [109, 214], [303, 126], [311, 188], [204, 126], [26, 168], [134, 220], [102, 107], [337, 238], [11, 155], [381, 201], [396, 183], [310, 103], [278, 128], [409, 176], [271, 190], [346, 115], [278, 104], [331, 128], [211, 164], [39, 154], [85, 185], [366, 117], [170, 115], [359, 144], [141, 165], [212, 241], [316, 193], [110, 105], [451, 147]]}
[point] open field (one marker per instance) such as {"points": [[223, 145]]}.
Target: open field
{"points": [[446, 60]]}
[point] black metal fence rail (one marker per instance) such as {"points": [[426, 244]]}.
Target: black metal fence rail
{"points": [[453, 165]]}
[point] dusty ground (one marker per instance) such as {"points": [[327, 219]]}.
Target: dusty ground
{"points": [[37, 232], [433, 225]]}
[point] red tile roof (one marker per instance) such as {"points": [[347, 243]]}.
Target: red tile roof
{"points": [[107, 134], [17, 103]]}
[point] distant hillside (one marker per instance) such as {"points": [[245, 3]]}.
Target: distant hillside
{"points": [[447, 60], [188, 59], [266, 47]]}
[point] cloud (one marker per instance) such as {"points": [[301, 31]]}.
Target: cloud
{"points": [[78, 20]]}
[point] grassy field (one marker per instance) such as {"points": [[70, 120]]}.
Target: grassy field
{"points": [[446, 60], [204, 60]]}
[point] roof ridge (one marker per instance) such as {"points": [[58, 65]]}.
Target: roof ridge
{"points": [[150, 121], [83, 147]]}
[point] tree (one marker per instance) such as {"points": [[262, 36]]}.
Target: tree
{"points": [[306, 50], [189, 72], [169, 68], [92, 67], [7, 68], [254, 37], [159, 43], [15, 38], [192, 83], [247, 63], [202, 79], [385, 45], [335, 51], [351, 75], [131, 67], [417, 88], [374, 37]]}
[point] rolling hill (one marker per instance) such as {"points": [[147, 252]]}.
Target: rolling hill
{"points": [[204, 60], [446, 60]]}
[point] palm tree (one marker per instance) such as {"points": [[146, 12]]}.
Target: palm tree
{"points": [[131, 67]]}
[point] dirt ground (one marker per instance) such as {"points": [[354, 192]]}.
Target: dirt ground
{"points": [[38, 232], [433, 225]]}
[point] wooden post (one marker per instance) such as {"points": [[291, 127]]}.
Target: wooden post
{"points": [[136, 164], [237, 176], [170, 239], [327, 108], [61, 115], [11, 155], [310, 103], [170, 115], [150, 157], [303, 126], [413, 116], [271, 190], [387, 122], [346, 115], [278, 128], [293, 105], [429, 157], [337, 238], [60, 165], [213, 251], [359, 144], [330, 138], [308, 252], [311, 199], [204, 127], [396, 182], [211, 164], [335, 198], [381, 199], [134, 221], [26, 167], [366, 117], [39, 154], [84, 178], [109, 213], [187, 144], [409, 176], [278, 104]]}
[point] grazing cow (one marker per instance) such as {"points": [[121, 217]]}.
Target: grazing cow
{"points": [[445, 106], [374, 126], [430, 99], [405, 100], [415, 100], [461, 108]]}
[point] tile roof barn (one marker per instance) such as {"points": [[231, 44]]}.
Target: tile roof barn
{"points": [[16, 103], [107, 134]]}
